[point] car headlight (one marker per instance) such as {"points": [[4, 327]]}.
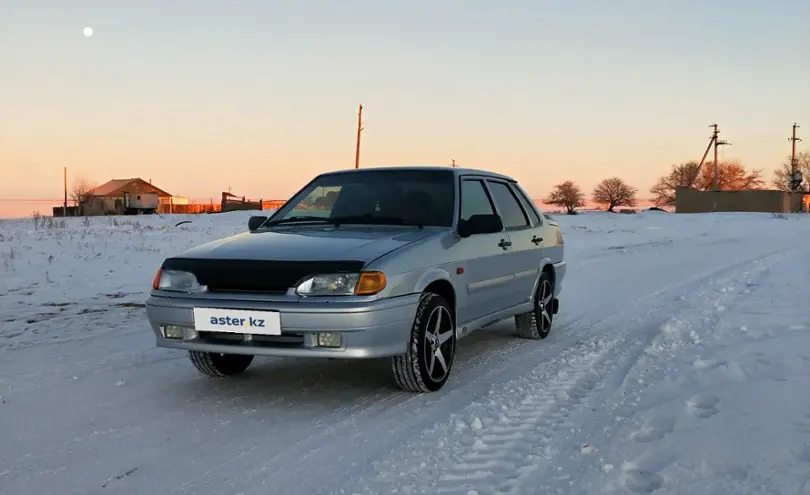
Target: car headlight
{"points": [[176, 280], [342, 284]]}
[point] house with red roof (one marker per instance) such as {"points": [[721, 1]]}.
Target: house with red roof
{"points": [[124, 197]]}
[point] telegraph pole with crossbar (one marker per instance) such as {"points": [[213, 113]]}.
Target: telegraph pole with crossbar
{"points": [[795, 179], [714, 141]]}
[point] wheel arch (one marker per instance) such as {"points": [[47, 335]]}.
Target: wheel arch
{"points": [[438, 281], [547, 266]]}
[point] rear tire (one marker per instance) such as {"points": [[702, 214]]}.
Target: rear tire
{"points": [[536, 324], [219, 365], [426, 365]]}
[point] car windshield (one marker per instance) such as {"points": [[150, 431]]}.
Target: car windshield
{"points": [[395, 197]]}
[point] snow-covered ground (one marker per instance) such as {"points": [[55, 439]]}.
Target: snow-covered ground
{"points": [[679, 364]]}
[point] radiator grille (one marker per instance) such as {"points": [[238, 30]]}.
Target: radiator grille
{"points": [[256, 275]]}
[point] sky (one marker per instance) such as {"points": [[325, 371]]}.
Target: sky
{"points": [[261, 95]]}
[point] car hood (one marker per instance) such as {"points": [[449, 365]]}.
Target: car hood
{"points": [[310, 244]]}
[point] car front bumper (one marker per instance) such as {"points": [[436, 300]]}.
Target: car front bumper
{"points": [[368, 329]]}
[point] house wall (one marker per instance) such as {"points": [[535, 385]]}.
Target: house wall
{"points": [[689, 200], [102, 205], [143, 201]]}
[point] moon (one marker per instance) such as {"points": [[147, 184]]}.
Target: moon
{"points": [[88, 31]]}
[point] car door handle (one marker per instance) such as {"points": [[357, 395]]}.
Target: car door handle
{"points": [[536, 240], [504, 244]]}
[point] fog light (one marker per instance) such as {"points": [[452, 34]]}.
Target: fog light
{"points": [[173, 332], [329, 340]]}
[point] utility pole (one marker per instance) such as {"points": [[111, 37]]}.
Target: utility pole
{"points": [[359, 130], [714, 140], [717, 142], [795, 181], [454, 163], [64, 209]]}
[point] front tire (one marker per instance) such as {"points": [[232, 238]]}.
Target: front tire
{"points": [[536, 324], [219, 365], [426, 365]]}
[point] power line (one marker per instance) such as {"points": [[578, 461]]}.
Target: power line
{"points": [[31, 200]]}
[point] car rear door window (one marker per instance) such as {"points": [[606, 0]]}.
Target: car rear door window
{"points": [[474, 199], [512, 213]]}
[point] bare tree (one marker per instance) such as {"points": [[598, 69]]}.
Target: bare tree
{"points": [[731, 176], [566, 195], [81, 192], [614, 192], [782, 175], [683, 175]]}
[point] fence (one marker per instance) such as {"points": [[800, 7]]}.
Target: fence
{"points": [[59, 211], [688, 200], [273, 204], [189, 209], [229, 205]]}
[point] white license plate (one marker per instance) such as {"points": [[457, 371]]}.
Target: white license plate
{"points": [[237, 321]]}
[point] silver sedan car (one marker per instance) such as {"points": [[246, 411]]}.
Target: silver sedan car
{"points": [[396, 263]]}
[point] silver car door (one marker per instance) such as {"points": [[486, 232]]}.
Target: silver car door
{"points": [[525, 256], [487, 278]]}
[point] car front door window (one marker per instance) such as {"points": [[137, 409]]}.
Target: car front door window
{"points": [[474, 199]]}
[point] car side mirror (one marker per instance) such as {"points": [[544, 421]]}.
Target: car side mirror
{"points": [[255, 222], [480, 224]]}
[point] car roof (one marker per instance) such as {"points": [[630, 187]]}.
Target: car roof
{"points": [[457, 171]]}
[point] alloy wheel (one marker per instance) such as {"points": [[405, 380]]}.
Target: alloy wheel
{"points": [[544, 307], [439, 343]]}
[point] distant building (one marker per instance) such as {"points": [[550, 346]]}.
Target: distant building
{"points": [[232, 202], [124, 197]]}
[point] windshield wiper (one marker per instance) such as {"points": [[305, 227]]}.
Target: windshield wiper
{"points": [[303, 218], [356, 219], [375, 220]]}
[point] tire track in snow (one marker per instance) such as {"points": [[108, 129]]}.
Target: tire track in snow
{"points": [[641, 368], [504, 443], [315, 447]]}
